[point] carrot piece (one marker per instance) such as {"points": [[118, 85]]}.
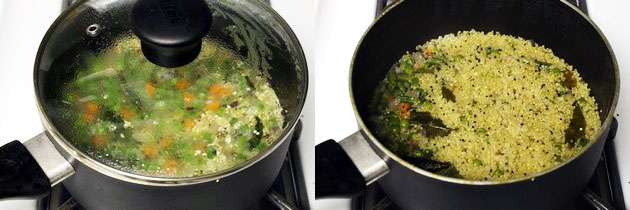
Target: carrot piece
{"points": [[404, 107], [170, 166], [405, 115], [188, 98], [429, 53], [99, 141], [149, 150], [227, 92], [418, 65], [87, 117], [91, 108], [188, 123], [90, 112], [213, 106], [150, 88], [217, 90], [182, 84], [127, 115], [165, 142]]}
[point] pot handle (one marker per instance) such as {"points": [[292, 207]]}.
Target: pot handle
{"points": [[22, 176], [344, 169]]}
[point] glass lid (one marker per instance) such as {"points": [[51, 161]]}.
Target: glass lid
{"points": [[170, 90]]}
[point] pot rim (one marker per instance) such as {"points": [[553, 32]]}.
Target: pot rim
{"points": [[605, 125], [168, 181]]}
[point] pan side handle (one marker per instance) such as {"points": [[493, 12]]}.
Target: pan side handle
{"points": [[29, 170], [344, 169], [20, 175]]}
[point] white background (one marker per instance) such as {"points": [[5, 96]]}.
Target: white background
{"points": [[23, 24]]}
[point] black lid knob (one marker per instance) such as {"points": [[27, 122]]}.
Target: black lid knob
{"points": [[171, 30]]}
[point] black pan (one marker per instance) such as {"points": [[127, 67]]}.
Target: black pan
{"points": [[344, 169]]}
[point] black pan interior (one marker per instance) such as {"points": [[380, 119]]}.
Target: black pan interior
{"points": [[551, 23]]}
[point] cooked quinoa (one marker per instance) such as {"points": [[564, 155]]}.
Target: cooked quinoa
{"points": [[483, 106], [204, 117]]}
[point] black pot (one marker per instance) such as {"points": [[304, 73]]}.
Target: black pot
{"points": [[361, 159], [250, 28]]}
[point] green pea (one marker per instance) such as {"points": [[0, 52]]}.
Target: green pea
{"points": [[260, 106], [498, 173], [404, 123], [241, 157], [582, 100], [221, 111], [555, 71], [261, 146], [207, 137], [233, 121], [427, 105], [273, 121], [463, 120], [422, 153], [477, 162], [211, 153], [481, 131], [458, 58], [149, 166]]}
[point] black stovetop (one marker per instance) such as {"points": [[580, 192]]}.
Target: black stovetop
{"points": [[288, 192], [604, 187]]}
